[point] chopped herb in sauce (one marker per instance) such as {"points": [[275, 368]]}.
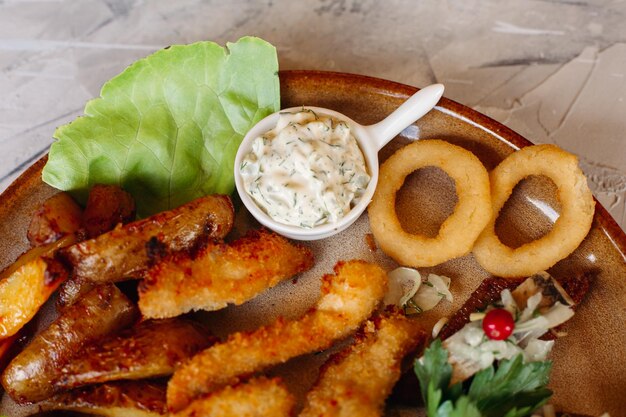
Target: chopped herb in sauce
{"points": [[305, 183]]}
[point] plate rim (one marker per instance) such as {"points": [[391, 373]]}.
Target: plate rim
{"points": [[616, 235], [31, 177]]}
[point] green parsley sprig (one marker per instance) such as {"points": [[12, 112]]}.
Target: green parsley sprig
{"points": [[513, 388]]}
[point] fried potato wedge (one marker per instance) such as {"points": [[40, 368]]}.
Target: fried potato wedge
{"points": [[348, 298], [71, 290], [149, 350], [127, 251], [6, 346], [107, 206], [100, 312], [114, 399], [58, 216], [220, 274], [357, 380], [28, 283], [260, 397]]}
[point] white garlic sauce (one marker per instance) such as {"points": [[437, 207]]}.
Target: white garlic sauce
{"points": [[307, 171]]}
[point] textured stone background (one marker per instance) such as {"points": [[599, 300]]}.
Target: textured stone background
{"points": [[552, 70]]}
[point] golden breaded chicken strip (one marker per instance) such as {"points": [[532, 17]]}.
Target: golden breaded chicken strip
{"points": [[260, 397], [127, 251], [357, 380], [348, 298], [220, 274]]}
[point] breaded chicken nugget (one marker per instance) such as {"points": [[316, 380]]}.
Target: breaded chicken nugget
{"points": [[259, 397], [348, 298], [357, 380], [221, 274]]}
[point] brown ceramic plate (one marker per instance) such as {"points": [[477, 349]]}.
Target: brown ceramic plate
{"points": [[589, 375]]}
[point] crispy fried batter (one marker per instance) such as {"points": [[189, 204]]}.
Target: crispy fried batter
{"points": [[349, 297], [259, 397], [356, 381], [220, 274], [127, 251]]}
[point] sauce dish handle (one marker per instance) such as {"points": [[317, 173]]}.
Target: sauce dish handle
{"points": [[411, 110]]}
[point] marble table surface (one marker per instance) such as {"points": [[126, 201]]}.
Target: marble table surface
{"points": [[553, 70]]}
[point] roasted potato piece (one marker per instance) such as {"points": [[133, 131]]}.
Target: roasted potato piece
{"points": [[119, 399], [107, 206], [6, 346], [27, 284], [58, 216], [71, 290], [127, 251], [100, 312], [13, 345], [151, 349]]}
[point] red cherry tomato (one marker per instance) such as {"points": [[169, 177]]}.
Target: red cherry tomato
{"points": [[498, 324]]}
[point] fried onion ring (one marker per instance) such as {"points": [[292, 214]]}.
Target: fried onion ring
{"points": [[568, 231], [459, 231]]}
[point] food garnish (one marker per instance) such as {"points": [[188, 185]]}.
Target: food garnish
{"points": [[357, 380], [489, 292], [348, 298], [459, 231], [433, 290], [167, 128], [259, 397], [403, 284], [408, 291], [307, 171], [568, 231], [220, 274], [514, 389], [522, 319], [501, 351], [498, 324]]}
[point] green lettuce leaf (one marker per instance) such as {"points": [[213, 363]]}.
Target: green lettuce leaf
{"points": [[167, 128]]}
